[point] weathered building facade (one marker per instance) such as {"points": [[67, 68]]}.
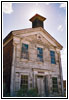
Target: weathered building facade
{"points": [[33, 59]]}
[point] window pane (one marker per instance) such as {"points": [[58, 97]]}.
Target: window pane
{"points": [[52, 54], [40, 54], [24, 81], [24, 53], [40, 50], [25, 46], [53, 61], [54, 84], [55, 89], [54, 78]]}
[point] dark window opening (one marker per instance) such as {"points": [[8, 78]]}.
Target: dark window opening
{"points": [[24, 82], [55, 84], [24, 53], [40, 54], [52, 54]]}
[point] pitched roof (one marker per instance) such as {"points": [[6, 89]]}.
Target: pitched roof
{"points": [[37, 16]]}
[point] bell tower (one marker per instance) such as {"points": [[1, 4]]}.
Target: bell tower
{"points": [[37, 21]]}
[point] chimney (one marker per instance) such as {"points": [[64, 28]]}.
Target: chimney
{"points": [[37, 21]]}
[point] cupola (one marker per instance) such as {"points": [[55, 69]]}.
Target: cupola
{"points": [[37, 21]]}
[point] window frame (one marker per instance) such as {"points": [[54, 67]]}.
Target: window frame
{"points": [[24, 84], [25, 53], [54, 85], [40, 55], [52, 56]]}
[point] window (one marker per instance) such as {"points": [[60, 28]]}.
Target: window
{"points": [[52, 54], [24, 53], [24, 81], [55, 84], [40, 54]]}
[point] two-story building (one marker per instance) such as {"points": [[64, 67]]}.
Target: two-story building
{"points": [[31, 59]]}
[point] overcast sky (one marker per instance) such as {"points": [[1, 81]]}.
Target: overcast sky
{"points": [[16, 16]]}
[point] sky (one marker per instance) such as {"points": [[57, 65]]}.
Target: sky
{"points": [[16, 16]]}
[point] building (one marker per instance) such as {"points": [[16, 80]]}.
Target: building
{"points": [[64, 85], [31, 59]]}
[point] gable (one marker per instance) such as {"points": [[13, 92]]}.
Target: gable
{"points": [[41, 36], [36, 39]]}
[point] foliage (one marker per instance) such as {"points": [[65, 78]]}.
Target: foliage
{"points": [[27, 93], [22, 93], [32, 93], [5, 92]]}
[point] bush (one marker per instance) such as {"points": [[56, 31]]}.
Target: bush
{"points": [[27, 93], [22, 93], [32, 93], [5, 92]]}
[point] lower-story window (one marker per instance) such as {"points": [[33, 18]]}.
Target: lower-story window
{"points": [[55, 84], [24, 81]]}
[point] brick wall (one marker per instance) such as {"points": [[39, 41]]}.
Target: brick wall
{"points": [[7, 61]]}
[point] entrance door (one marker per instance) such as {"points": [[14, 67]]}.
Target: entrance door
{"points": [[40, 85]]}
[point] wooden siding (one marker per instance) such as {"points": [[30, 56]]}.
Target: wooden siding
{"points": [[7, 62]]}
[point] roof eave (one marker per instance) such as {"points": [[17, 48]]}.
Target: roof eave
{"points": [[7, 37]]}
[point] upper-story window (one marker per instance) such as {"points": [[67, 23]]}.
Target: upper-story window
{"points": [[40, 54], [24, 53], [52, 54]]}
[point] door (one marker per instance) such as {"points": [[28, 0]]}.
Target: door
{"points": [[40, 85]]}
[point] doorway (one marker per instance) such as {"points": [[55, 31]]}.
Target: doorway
{"points": [[40, 85]]}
